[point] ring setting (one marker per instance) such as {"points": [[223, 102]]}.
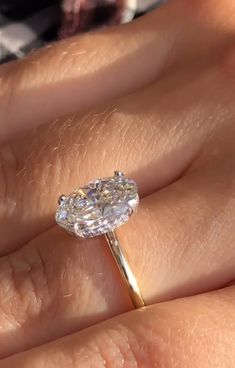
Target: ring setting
{"points": [[98, 208]]}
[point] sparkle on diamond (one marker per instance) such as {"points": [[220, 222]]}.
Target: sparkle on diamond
{"points": [[99, 207]]}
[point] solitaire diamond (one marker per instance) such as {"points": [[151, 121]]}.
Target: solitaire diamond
{"points": [[99, 207]]}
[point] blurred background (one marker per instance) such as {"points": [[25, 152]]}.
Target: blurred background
{"points": [[26, 25]]}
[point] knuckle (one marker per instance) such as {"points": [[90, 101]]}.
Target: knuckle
{"points": [[133, 347], [23, 286], [116, 343]]}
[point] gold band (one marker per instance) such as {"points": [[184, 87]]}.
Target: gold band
{"points": [[125, 269]]}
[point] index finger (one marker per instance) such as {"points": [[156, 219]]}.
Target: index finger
{"points": [[78, 73]]}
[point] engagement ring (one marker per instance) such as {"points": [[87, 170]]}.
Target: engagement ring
{"points": [[99, 208]]}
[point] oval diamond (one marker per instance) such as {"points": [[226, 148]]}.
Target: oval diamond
{"points": [[99, 207]]}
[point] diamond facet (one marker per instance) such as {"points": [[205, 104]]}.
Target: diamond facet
{"points": [[99, 207]]}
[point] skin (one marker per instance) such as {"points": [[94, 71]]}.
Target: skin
{"points": [[161, 109]]}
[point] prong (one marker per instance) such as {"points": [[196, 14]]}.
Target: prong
{"points": [[131, 211], [81, 193], [118, 173], [61, 199]]}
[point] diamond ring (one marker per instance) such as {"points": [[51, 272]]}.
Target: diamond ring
{"points": [[99, 208]]}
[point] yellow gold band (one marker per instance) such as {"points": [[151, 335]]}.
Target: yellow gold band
{"points": [[125, 270]]}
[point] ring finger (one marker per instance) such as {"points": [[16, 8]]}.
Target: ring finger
{"points": [[152, 141]]}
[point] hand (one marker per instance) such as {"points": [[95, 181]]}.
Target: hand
{"points": [[155, 99]]}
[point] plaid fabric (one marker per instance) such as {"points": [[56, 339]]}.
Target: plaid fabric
{"points": [[23, 29]]}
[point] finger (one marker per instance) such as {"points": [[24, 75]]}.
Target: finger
{"points": [[165, 137], [68, 284], [51, 284], [196, 332], [185, 237], [83, 71]]}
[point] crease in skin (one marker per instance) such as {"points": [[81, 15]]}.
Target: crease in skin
{"points": [[113, 352]]}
